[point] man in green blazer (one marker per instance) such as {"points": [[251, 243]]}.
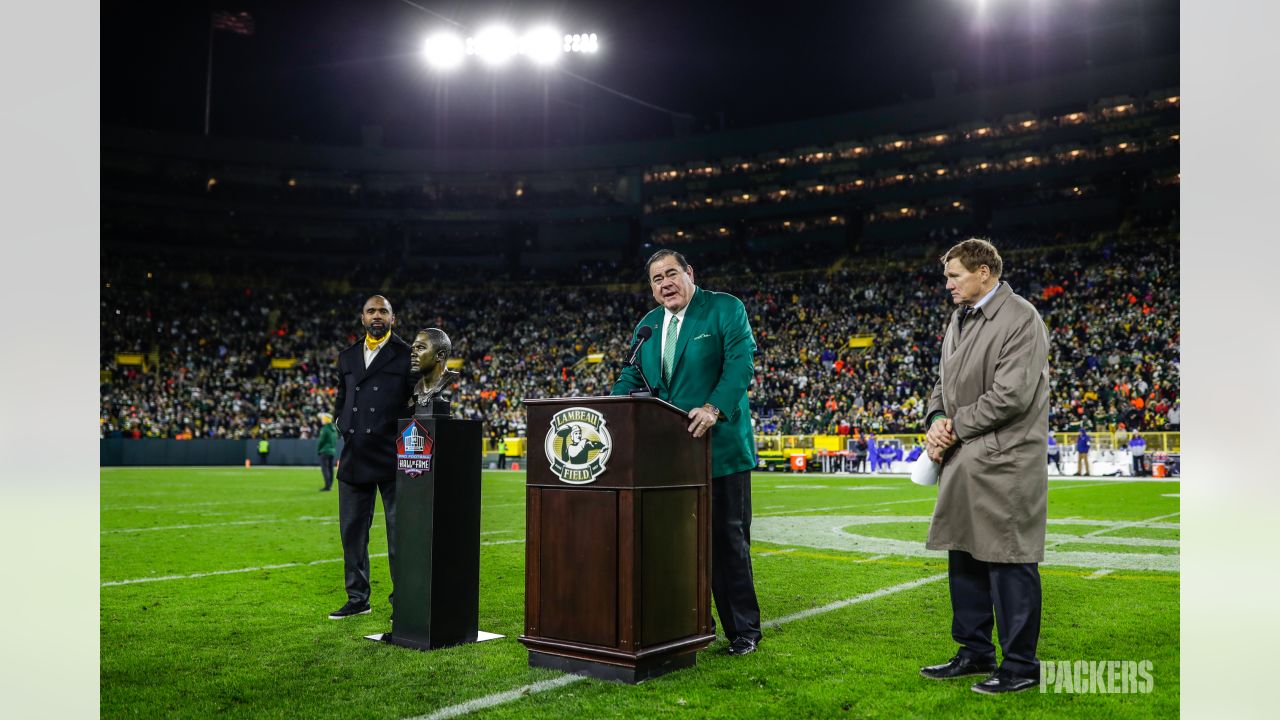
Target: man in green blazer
{"points": [[700, 360]]}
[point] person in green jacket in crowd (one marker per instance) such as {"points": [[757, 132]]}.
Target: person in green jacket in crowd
{"points": [[327, 448], [700, 359]]}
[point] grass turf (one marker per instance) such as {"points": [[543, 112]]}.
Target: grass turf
{"points": [[254, 641]]}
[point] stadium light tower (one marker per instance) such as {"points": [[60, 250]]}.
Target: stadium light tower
{"points": [[444, 51], [541, 45], [495, 45]]}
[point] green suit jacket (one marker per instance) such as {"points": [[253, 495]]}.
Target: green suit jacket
{"points": [[713, 364]]}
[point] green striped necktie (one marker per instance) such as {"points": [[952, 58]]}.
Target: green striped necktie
{"points": [[669, 348]]}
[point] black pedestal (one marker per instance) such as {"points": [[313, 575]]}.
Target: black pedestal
{"points": [[437, 583]]}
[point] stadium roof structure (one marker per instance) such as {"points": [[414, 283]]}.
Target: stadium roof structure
{"points": [[1071, 91], [334, 73]]}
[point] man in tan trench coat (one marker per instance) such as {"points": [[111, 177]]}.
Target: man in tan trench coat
{"points": [[988, 420]]}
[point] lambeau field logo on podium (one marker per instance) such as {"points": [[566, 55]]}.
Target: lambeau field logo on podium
{"points": [[578, 445]]}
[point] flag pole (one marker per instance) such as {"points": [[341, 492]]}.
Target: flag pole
{"points": [[208, 78]]}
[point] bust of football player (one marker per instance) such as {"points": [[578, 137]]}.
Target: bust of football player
{"points": [[429, 358]]}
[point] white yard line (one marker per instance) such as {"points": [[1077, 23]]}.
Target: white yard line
{"points": [[1100, 572], [281, 566], [163, 578], [930, 498], [290, 499], [1093, 484], [1113, 528], [846, 507], [845, 533], [304, 518], [873, 595], [502, 698], [1113, 479]]}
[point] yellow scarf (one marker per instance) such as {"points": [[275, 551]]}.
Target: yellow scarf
{"points": [[371, 343]]}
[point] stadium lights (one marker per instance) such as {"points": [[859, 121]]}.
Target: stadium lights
{"points": [[496, 45], [541, 45], [444, 51]]}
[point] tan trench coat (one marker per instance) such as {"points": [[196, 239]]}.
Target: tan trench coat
{"points": [[994, 385]]}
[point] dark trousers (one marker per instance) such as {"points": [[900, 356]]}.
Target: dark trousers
{"points": [[326, 469], [1139, 466], [1013, 589], [1057, 462], [355, 517], [732, 584]]}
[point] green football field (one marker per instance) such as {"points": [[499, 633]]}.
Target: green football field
{"points": [[217, 583]]}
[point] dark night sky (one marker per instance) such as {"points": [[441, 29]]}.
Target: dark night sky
{"points": [[318, 71]]}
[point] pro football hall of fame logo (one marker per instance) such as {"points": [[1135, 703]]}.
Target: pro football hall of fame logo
{"points": [[413, 450]]}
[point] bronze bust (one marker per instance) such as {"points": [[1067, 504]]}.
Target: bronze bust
{"points": [[429, 357]]}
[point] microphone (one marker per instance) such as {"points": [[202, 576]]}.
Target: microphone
{"points": [[644, 333]]}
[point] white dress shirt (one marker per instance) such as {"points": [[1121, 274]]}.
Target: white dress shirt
{"points": [[369, 355], [987, 297]]}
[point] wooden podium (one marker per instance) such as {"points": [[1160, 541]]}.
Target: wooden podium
{"points": [[618, 506]]}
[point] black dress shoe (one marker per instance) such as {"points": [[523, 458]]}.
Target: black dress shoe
{"points": [[958, 667], [1005, 682], [350, 609], [742, 646]]}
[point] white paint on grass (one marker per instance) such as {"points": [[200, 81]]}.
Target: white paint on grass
{"points": [[489, 701], [167, 506], [854, 600], [281, 566], [776, 488], [304, 518], [1100, 572], [1055, 539], [501, 698], [931, 497], [1114, 479], [844, 507], [833, 532], [1086, 485]]}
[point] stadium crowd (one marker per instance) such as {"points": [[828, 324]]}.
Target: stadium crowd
{"points": [[236, 351]]}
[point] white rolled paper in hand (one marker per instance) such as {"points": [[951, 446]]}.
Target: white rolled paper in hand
{"points": [[925, 471]]}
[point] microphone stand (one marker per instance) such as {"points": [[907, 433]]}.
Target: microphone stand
{"points": [[648, 390], [633, 361]]}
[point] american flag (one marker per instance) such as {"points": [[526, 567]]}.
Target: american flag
{"points": [[240, 23]]}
